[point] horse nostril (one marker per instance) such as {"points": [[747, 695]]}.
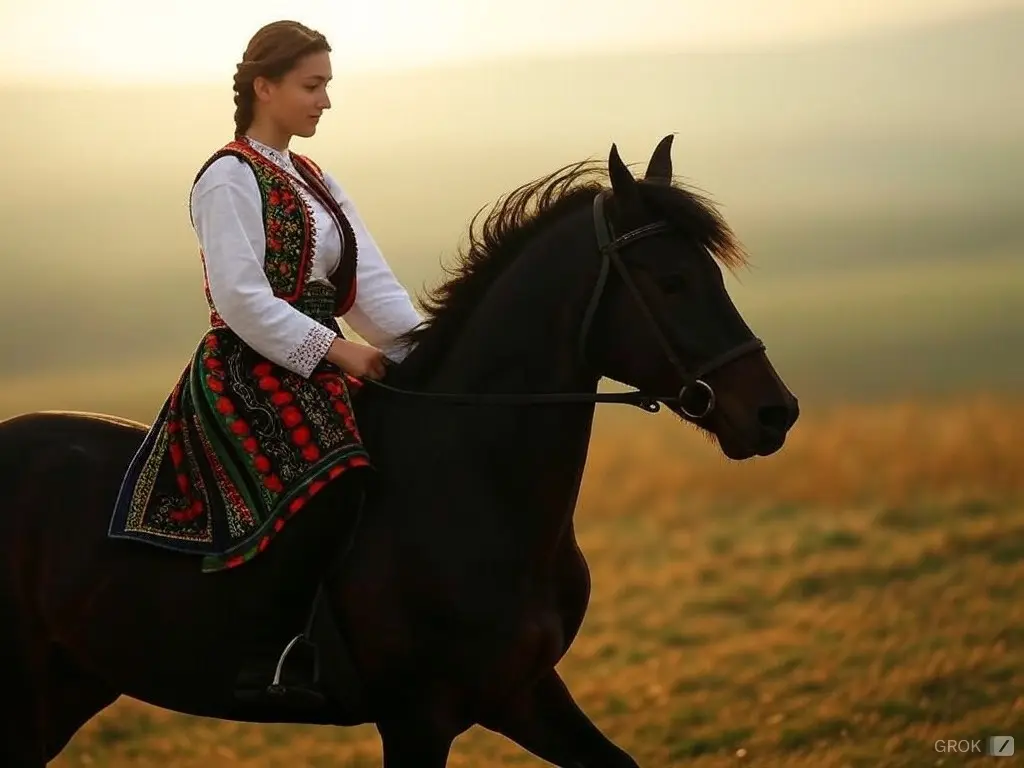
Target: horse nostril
{"points": [[777, 418]]}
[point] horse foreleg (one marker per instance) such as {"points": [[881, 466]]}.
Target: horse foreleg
{"points": [[546, 721]]}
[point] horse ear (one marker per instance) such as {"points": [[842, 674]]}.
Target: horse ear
{"points": [[623, 183], [659, 169]]}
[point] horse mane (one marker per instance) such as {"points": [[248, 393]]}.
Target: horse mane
{"points": [[518, 216]]}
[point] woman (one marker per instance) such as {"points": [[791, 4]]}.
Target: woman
{"points": [[260, 420]]}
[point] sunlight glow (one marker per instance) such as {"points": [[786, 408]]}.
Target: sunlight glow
{"points": [[188, 40]]}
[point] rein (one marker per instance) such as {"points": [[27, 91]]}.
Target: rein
{"points": [[609, 248]]}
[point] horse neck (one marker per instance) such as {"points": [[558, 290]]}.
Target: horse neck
{"points": [[523, 338]]}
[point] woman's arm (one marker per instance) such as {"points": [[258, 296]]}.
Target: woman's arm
{"points": [[228, 219], [383, 309]]}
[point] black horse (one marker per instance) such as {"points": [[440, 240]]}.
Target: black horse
{"points": [[463, 585]]}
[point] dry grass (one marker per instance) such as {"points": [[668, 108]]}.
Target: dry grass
{"points": [[845, 603]]}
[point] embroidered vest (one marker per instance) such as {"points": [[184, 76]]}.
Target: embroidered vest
{"points": [[290, 233]]}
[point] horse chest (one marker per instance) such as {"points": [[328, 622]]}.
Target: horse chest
{"points": [[535, 646], [544, 627]]}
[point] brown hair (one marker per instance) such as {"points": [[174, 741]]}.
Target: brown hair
{"points": [[271, 53]]}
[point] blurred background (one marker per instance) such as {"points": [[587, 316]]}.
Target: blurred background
{"points": [[869, 156]]}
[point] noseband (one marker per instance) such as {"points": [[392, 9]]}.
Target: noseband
{"points": [[609, 248]]}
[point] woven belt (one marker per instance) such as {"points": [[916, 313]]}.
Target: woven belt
{"points": [[317, 301]]}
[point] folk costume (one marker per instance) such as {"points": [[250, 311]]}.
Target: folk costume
{"points": [[258, 421]]}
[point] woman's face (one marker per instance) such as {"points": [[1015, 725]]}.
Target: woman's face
{"points": [[296, 101]]}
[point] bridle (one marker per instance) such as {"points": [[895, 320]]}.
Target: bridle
{"points": [[609, 247]]}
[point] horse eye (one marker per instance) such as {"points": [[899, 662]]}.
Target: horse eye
{"points": [[673, 283]]}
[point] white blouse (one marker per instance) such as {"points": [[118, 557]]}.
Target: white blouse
{"points": [[227, 215]]}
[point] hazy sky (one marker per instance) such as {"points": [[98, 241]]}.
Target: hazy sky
{"points": [[185, 40]]}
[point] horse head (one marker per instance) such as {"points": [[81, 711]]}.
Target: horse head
{"points": [[666, 322]]}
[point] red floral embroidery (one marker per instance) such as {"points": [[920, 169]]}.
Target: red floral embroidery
{"points": [[284, 437]]}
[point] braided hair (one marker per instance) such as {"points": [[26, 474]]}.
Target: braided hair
{"points": [[271, 53]]}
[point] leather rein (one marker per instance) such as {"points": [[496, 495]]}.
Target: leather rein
{"points": [[609, 248]]}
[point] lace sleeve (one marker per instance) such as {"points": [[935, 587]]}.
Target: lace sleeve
{"points": [[311, 350]]}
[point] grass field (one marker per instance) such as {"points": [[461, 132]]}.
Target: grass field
{"points": [[845, 603]]}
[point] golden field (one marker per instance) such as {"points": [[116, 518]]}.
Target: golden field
{"points": [[844, 603]]}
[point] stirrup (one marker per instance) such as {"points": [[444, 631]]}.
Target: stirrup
{"points": [[276, 688]]}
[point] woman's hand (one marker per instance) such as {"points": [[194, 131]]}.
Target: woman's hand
{"points": [[359, 360]]}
